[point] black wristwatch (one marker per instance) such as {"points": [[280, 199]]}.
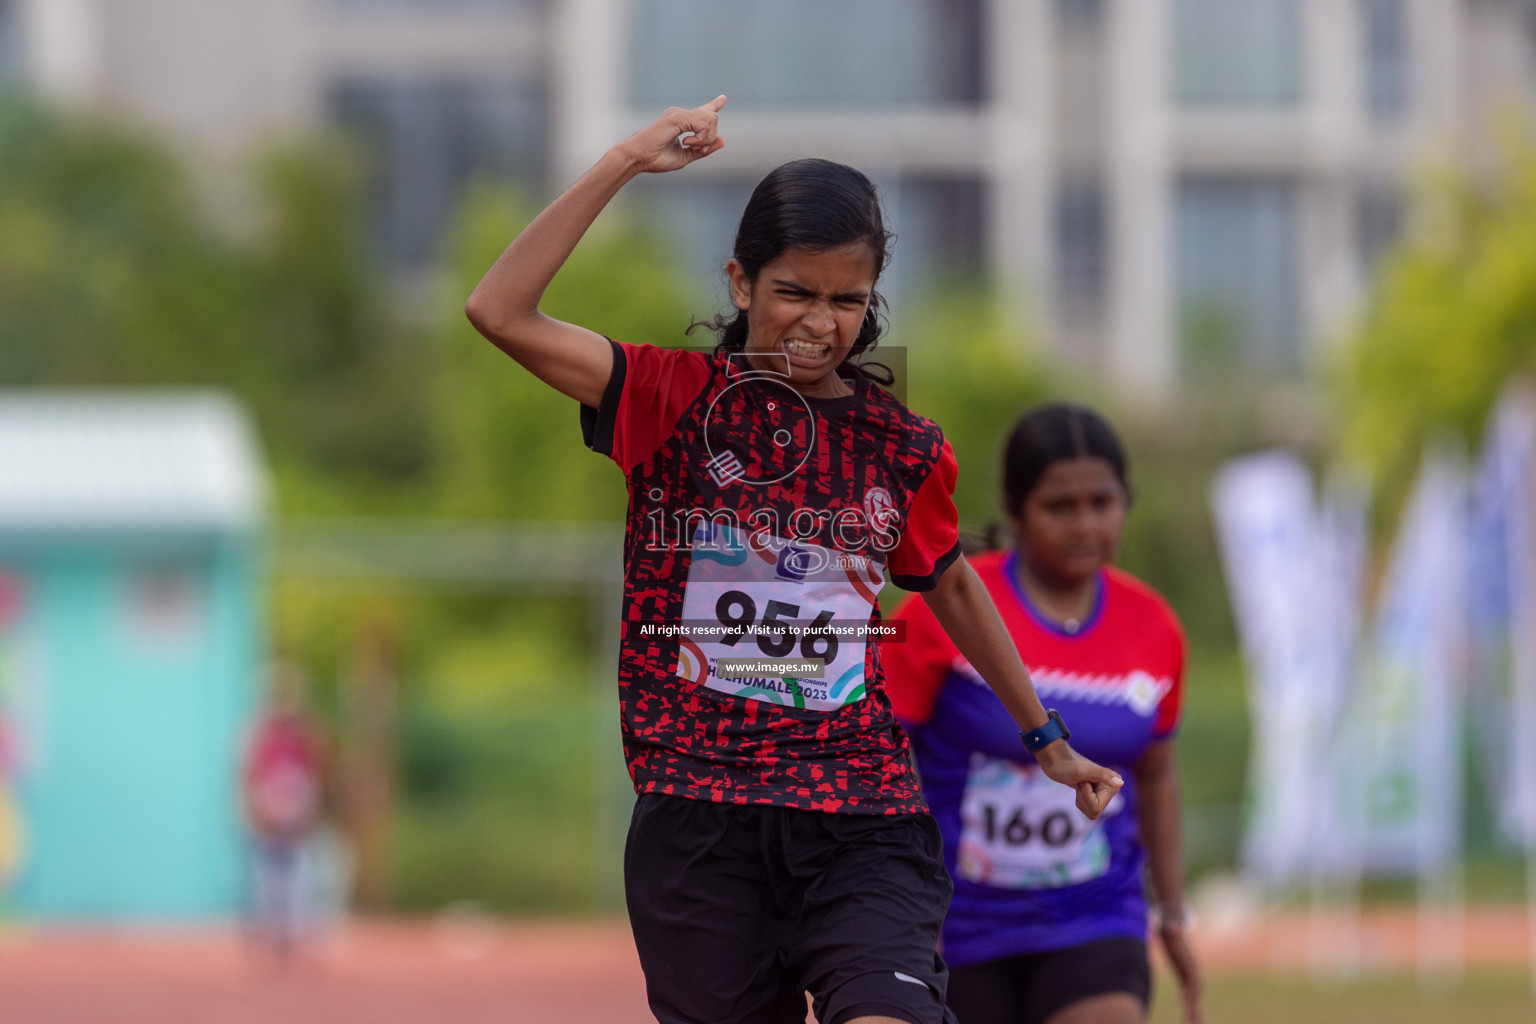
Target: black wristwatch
{"points": [[1054, 729]]}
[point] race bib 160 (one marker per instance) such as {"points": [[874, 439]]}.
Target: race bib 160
{"points": [[1020, 830]]}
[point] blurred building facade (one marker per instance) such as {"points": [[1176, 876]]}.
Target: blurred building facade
{"points": [[1173, 188]]}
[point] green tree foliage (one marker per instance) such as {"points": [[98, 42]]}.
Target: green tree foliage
{"points": [[1451, 317], [969, 371], [112, 273], [344, 373], [504, 443], [106, 274]]}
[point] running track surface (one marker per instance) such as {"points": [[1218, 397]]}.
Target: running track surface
{"points": [[573, 972]]}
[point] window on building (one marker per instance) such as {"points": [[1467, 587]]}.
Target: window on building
{"points": [[1085, 14], [941, 219], [1081, 238], [1239, 306], [805, 52], [1237, 52], [426, 138], [1528, 23], [11, 70], [436, 5], [1378, 223], [1384, 38]]}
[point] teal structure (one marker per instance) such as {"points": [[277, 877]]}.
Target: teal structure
{"points": [[130, 648]]}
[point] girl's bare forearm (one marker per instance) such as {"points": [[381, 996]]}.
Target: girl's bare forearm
{"points": [[511, 290]]}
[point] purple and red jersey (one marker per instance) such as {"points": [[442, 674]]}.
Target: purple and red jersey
{"points": [[760, 527], [1032, 874]]}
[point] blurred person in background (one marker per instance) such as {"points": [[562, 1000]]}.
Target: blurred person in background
{"points": [[780, 843], [12, 835], [283, 790], [1048, 924]]}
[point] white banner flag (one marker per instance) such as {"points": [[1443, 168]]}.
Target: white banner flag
{"points": [[1293, 577], [1502, 615], [1408, 721], [1337, 606]]}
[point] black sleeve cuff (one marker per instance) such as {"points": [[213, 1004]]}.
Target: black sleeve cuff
{"points": [[919, 584], [597, 424]]}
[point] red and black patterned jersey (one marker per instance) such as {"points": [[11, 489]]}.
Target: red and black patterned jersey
{"points": [[760, 527]]}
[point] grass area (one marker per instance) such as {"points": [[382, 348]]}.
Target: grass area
{"points": [[1479, 998], [1213, 757], [503, 809]]}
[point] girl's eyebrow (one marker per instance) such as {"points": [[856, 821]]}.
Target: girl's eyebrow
{"points": [[779, 282]]}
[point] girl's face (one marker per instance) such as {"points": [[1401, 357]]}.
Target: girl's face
{"points": [[804, 312], [1070, 524]]}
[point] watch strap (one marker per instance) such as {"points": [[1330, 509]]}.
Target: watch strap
{"points": [[1054, 729]]}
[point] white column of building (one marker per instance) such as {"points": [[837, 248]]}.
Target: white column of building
{"points": [[1329, 273], [1437, 78], [1141, 355], [61, 40], [1017, 36], [586, 74]]}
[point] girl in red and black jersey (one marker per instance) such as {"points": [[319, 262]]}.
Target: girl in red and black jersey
{"points": [[780, 843]]}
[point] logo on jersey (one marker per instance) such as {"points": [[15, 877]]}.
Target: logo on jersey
{"points": [[1143, 693], [880, 509], [724, 468]]}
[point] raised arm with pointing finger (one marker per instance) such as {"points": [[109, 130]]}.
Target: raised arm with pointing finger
{"points": [[505, 305]]}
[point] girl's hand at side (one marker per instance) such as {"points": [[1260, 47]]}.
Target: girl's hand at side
{"points": [[1173, 930], [675, 139], [1096, 785]]}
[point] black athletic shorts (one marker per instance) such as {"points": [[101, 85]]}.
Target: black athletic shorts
{"points": [[738, 912], [1029, 989]]}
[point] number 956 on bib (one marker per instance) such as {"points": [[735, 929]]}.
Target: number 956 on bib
{"points": [[775, 598]]}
